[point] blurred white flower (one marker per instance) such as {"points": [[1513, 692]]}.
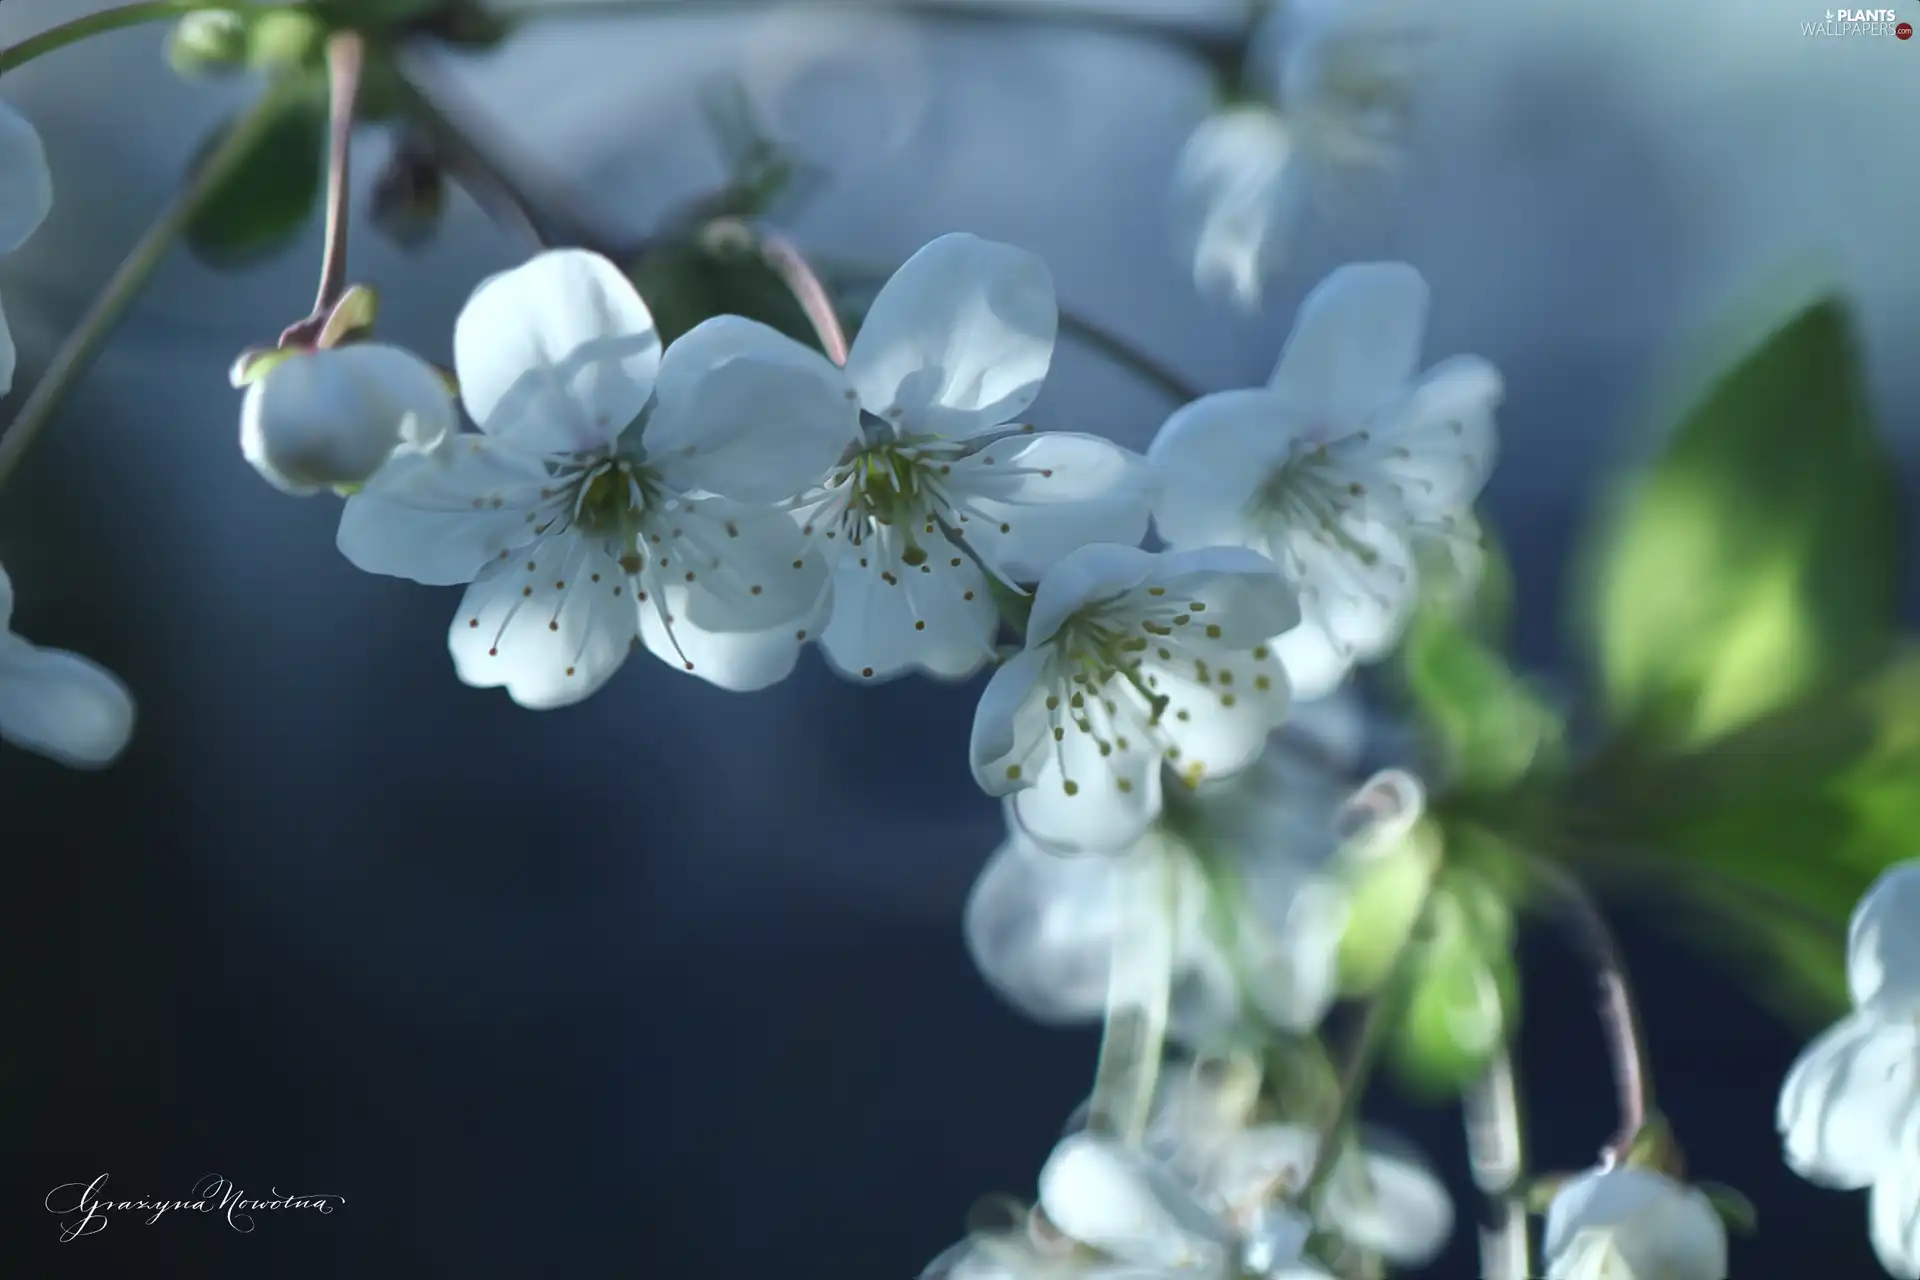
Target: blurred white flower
{"points": [[944, 489], [1382, 1196], [1336, 75], [1132, 659], [612, 498], [26, 194], [326, 419], [1623, 1223], [1116, 1200], [1258, 913], [1346, 460], [1850, 1108], [59, 704]]}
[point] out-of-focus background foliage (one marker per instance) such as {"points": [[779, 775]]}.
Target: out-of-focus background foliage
{"points": [[672, 982]]}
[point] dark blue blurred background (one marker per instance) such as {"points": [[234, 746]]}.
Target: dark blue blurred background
{"points": [[671, 983]]}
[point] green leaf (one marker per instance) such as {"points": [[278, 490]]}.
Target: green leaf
{"points": [[1490, 727], [1759, 556], [266, 202]]}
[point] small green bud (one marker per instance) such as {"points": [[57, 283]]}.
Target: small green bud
{"points": [[256, 363], [286, 39], [352, 317], [208, 42]]}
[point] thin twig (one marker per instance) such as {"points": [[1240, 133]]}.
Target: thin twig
{"points": [[76, 354], [346, 59], [1138, 995], [1619, 1020], [800, 278]]}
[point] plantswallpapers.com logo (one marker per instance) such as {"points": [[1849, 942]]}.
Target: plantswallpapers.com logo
{"points": [[1859, 22]]}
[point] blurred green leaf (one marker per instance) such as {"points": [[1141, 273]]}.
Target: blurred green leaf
{"points": [[266, 202], [1759, 556], [1490, 727]]}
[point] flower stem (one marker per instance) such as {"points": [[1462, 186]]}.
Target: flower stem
{"points": [[1371, 1040], [346, 59], [1495, 1147], [1619, 1019], [77, 353], [863, 275], [801, 280], [129, 15], [1139, 991]]}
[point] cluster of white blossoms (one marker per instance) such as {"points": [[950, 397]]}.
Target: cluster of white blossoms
{"points": [[56, 703], [1850, 1108], [1334, 83]]}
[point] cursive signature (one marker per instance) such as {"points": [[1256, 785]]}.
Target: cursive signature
{"points": [[84, 1206]]}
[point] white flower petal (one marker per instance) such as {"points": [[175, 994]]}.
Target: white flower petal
{"points": [[558, 355], [1393, 1205], [959, 340], [1010, 724], [1101, 1194], [1316, 664], [1222, 704], [1436, 448], [1289, 946], [328, 418], [551, 634], [441, 517], [1081, 799], [1231, 599], [746, 412], [61, 705], [1211, 459], [1036, 499], [1893, 1219], [734, 596], [26, 184], [1358, 583], [1091, 574], [1356, 340], [1847, 1098], [1651, 1225], [9, 356], [1236, 199], [1883, 941], [938, 618]]}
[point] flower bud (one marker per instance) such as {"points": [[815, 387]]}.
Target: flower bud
{"points": [[208, 42], [286, 39], [1636, 1222], [326, 419]]}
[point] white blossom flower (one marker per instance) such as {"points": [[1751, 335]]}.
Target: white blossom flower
{"points": [[1338, 467], [945, 487], [1132, 659], [26, 194], [1850, 1107], [613, 497], [1258, 916], [1111, 1198], [326, 419], [59, 704], [1623, 1223], [1337, 78], [1381, 1197]]}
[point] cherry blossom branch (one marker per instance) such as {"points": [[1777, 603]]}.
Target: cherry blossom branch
{"points": [[130, 15], [1495, 1148], [801, 280], [82, 345], [346, 59]]}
